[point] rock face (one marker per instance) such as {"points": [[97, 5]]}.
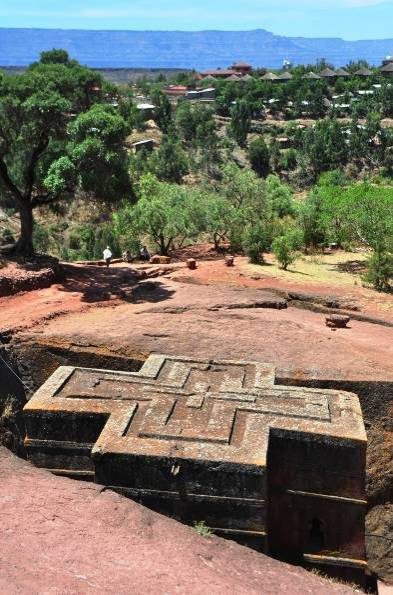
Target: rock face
{"points": [[182, 49], [66, 537], [379, 529]]}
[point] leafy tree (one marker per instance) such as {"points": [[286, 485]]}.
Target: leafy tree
{"points": [[55, 56], [312, 221], [332, 217], [43, 156], [169, 163], [368, 214], [164, 212], [285, 246], [209, 147], [245, 191], [257, 240], [163, 111], [280, 196], [240, 122], [221, 217], [247, 195], [259, 157], [185, 121], [289, 159], [275, 155], [325, 145], [88, 241]]}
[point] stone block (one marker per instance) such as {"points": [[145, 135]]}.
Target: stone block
{"points": [[191, 264], [280, 468]]}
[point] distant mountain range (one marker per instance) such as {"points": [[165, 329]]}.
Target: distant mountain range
{"points": [[178, 49]]}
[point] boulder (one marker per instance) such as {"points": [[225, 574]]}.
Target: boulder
{"points": [[158, 259], [337, 321]]}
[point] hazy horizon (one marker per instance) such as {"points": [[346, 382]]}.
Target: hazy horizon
{"points": [[196, 31], [346, 19]]}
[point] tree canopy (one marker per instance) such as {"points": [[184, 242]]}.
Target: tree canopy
{"points": [[54, 138]]}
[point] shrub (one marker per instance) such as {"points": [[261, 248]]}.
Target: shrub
{"points": [[259, 157], [257, 240], [283, 248], [202, 529], [380, 271], [289, 160], [41, 238]]}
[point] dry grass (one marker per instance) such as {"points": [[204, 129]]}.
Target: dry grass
{"points": [[322, 269], [336, 581]]}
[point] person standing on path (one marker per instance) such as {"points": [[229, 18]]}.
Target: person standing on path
{"points": [[107, 256]]}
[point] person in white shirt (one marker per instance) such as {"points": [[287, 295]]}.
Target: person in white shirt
{"points": [[107, 256], [144, 254]]}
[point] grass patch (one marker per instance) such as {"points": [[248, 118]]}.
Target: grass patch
{"points": [[202, 529]]}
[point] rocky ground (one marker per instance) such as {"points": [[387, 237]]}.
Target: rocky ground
{"points": [[63, 536], [247, 313], [26, 275]]}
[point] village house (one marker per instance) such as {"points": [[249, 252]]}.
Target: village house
{"points": [[146, 144], [238, 70], [387, 68], [147, 109]]}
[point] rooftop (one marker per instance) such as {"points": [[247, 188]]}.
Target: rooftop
{"points": [[188, 408]]}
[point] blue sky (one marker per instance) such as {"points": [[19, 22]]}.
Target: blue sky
{"points": [[351, 19]]}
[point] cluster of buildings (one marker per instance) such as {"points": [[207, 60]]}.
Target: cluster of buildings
{"points": [[175, 92], [242, 72]]}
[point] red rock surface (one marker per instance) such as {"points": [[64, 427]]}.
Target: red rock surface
{"points": [[226, 322], [213, 312], [65, 537], [17, 277]]}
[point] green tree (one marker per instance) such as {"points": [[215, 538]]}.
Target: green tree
{"points": [[42, 157], [220, 216], [257, 240], [280, 196], [285, 246], [185, 121], [312, 221], [258, 154], [164, 212], [55, 56], [251, 206], [380, 270], [240, 122], [163, 109], [325, 145], [169, 163], [368, 214]]}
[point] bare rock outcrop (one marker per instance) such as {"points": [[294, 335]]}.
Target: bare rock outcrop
{"points": [[63, 536]]}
